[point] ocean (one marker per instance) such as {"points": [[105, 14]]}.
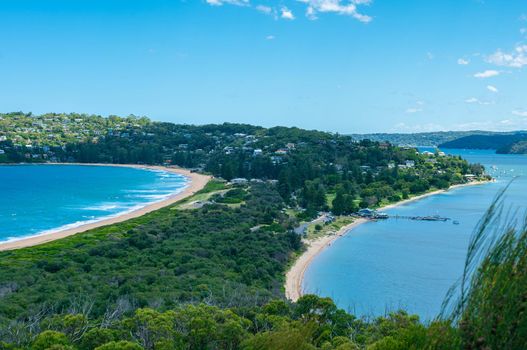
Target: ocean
{"points": [[40, 199], [387, 265]]}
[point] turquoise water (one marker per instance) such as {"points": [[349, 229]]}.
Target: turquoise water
{"points": [[39, 199], [386, 265]]}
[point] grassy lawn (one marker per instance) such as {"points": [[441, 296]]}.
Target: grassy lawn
{"points": [[326, 229]]}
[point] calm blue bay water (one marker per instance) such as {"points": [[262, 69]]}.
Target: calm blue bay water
{"points": [[39, 199], [386, 265]]}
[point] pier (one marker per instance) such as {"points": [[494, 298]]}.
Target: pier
{"points": [[375, 215], [421, 218]]}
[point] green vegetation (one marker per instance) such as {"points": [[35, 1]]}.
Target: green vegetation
{"points": [[309, 166], [519, 147], [211, 276], [323, 229], [490, 314], [161, 259], [495, 142], [489, 302]]}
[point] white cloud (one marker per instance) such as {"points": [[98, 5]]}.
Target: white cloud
{"points": [[487, 74], [430, 55], [523, 17], [414, 110], [269, 37], [523, 31], [313, 7], [474, 100], [514, 59], [264, 9], [492, 88], [286, 13], [341, 7], [230, 2], [520, 113], [463, 62]]}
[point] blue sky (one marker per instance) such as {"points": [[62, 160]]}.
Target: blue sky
{"points": [[343, 66]]}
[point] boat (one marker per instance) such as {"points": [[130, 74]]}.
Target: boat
{"points": [[455, 222]]}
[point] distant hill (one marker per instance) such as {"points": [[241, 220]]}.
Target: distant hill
{"points": [[495, 141], [427, 139], [519, 147]]}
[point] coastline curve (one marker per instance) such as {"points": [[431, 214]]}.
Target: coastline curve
{"points": [[295, 275], [195, 183]]}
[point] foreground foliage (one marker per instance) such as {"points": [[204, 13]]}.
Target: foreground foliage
{"points": [[311, 323], [488, 312]]}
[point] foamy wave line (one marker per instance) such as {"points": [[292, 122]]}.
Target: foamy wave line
{"points": [[92, 221], [103, 207], [154, 196], [141, 191]]}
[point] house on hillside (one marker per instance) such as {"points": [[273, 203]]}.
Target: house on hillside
{"points": [[366, 213], [470, 177], [239, 181]]}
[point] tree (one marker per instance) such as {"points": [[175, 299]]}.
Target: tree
{"points": [[120, 345], [48, 339]]}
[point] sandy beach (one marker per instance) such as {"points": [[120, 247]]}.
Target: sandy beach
{"points": [[295, 276], [195, 183]]}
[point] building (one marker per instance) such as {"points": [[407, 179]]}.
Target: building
{"points": [[371, 214], [409, 163], [239, 181], [384, 145], [470, 177], [276, 160], [366, 213], [257, 152]]}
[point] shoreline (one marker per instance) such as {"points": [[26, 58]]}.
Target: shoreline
{"points": [[195, 182], [295, 276]]}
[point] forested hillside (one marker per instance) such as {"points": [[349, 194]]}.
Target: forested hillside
{"points": [[519, 147], [210, 276], [485, 141], [150, 284], [312, 168]]}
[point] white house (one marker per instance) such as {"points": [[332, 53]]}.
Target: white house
{"points": [[239, 181]]}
